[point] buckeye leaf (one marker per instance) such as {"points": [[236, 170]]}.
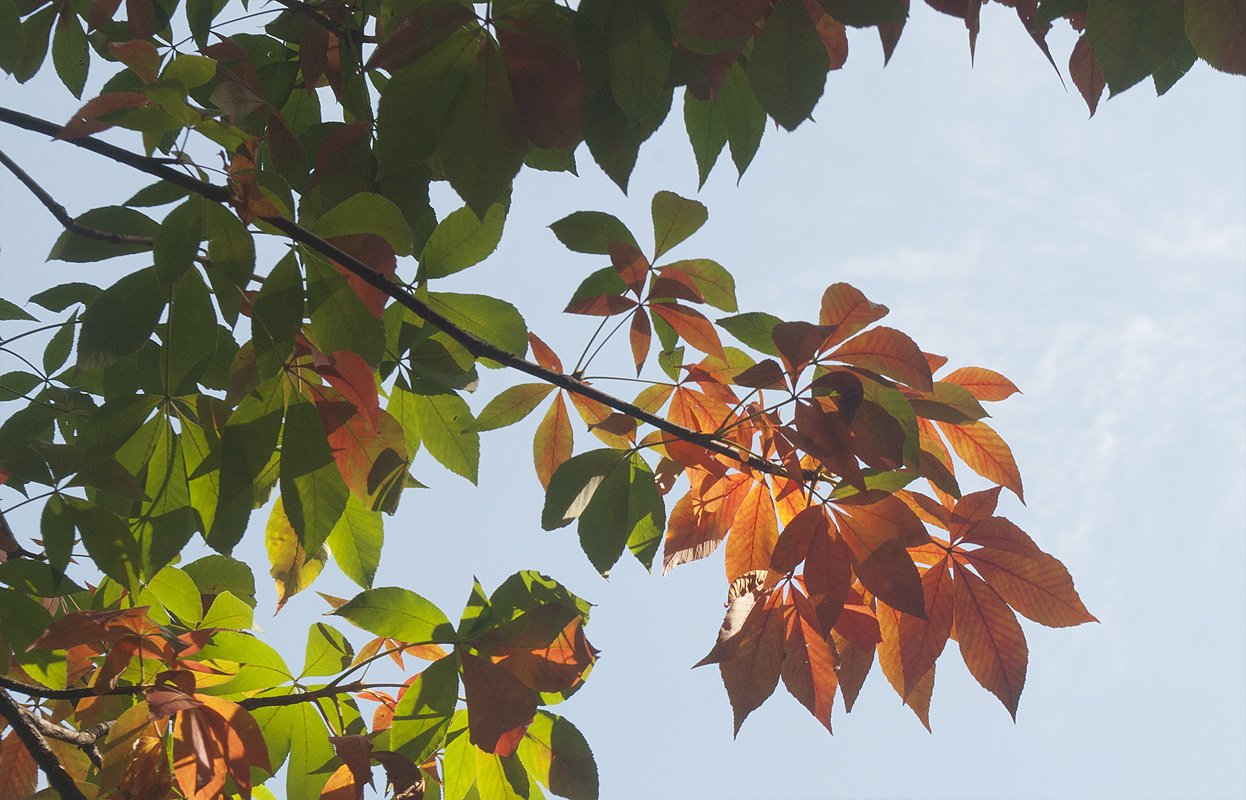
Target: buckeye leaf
{"points": [[573, 485], [114, 219], [328, 652], [365, 212], [356, 540], [444, 423], [312, 487], [591, 232], [121, 319], [557, 755], [788, 67], [462, 240], [512, 405], [423, 715], [675, 219], [397, 613], [496, 321]]}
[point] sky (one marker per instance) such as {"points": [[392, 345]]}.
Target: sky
{"points": [[1100, 264]]}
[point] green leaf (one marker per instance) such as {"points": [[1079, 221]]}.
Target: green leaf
{"points": [[444, 420], [121, 319], [501, 777], [753, 328], [1133, 38], [1051, 10], [1216, 31], [459, 760], [462, 240], [398, 614], [61, 297], [402, 407], [17, 384], [277, 313], [35, 30], [215, 574], [60, 346], [356, 542], [423, 715], [313, 492], [574, 484], [511, 406], [604, 281], [482, 143], [367, 213], [114, 219], [56, 525], [328, 652], [714, 281], [675, 219], [558, 756], [70, 54], [496, 321], [646, 512], [10, 311], [228, 611], [706, 123], [22, 619], [161, 539], [189, 70], [339, 320], [788, 66], [177, 241], [624, 511], [1175, 67], [10, 36], [866, 13], [232, 251], [190, 338], [591, 232], [744, 116], [247, 444], [36, 578], [178, 593], [157, 194], [639, 54], [109, 542], [262, 667]]}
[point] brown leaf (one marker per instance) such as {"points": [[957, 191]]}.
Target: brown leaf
{"points": [[722, 19], [372, 459], [1035, 584], [601, 305], [848, 311], [794, 542], [18, 770], [639, 336], [854, 666], [888, 352], [403, 774], [139, 55], [739, 616], [798, 343], [857, 622], [356, 752], [675, 284], [86, 120], [762, 375], [1086, 75], [701, 518], [141, 18], [752, 673], [375, 252], [546, 82], [808, 663], [917, 642], [692, 327], [497, 702], [991, 640], [543, 354], [833, 36]]}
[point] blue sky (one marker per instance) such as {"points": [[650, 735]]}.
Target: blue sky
{"points": [[1101, 265]]}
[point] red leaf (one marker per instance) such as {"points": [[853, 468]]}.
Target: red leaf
{"points": [[891, 576], [19, 773], [497, 703], [640, 336], [552, 444], [546, 83], [692, 327], [372, 459], [752, 673], [374, 251], [543, 354], [798, 343], [722, 19], [630, 263], [1086, 75], [845, 308], [982, 449], [347, 372], [139, 55], [983, 384], [754, 533], [675, 284], [888, 352], [991, 641], [828, 574], [825, 437], [762, 375], [912, 644], [972, 508], [140, 18], [858, 624], [86, 121], [854, 665], [808, 664], [793, 543], [1037, 585], [601, 305], [868, 525]]}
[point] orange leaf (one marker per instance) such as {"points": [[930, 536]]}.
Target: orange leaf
{"points": [[213, 742], [552, 444], [789, 497], [854, 665], [630, 263], [868, 525], [983, 384], [701, 518], [356, 752], [1037, 585], [497, 702], [697, 410], [888, 352], [342, 786], [139, 55], [982, 449], [845, 308], [1000, 534], [754, 533], [798, 343], [991, 640], [347, 372], [372, 459], [544, 356], [86, 120], [752, 673], [828, 573], [556, 667], [18, 770], [808, 664], [692, 327], [640, 336], [857, 622], [916, 643], [601, 305]]}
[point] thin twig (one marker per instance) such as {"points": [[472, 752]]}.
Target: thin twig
{"points": [[302, 697], [64, 694]]}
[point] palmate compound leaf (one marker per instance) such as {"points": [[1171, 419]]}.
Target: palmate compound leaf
{"points": [[1034, 583], [498, 704], [702, 517], [215, 741], [754, 533], [510, 406]]}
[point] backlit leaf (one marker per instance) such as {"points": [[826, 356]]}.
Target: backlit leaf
{"points": [[1037, 585], [399, 614], [1131, 38], [292, 569], [356, 540], [991, 641], [752, 673], [1217, 29], [986, 453], [675, 219], [983, 384], [462, 240], [754, 533], [591, 232], [556, 754], [888, 352], [787, 70], [425, 710]]}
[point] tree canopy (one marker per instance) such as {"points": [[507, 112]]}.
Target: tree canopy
{"points": [[176, 401]]}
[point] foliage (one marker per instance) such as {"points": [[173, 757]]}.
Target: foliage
{"points": [[827, 470]]}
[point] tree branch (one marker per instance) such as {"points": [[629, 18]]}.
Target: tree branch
{"points": [[474, 345], [83, 740], [64, 694], [58, 778], [250, 703], [62, 216]]}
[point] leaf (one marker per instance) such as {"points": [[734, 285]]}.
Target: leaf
{"points": [[425, 711], [808, 663], [292, 569], [462, 240], [397, 614], [312, 487], [19, 773], [219, 736], [496, 321], [120, 319], [1035, 584], [1086, 75], [638, 51], [982, 449], [753, 328], [497, 703], [715, 283], [639, 337], [574, 484], [1217, 29], [787, 70], [745, 117], [754, 533], [356, 540], [1131, 39], [551, 447], [328, 652], [372, 460], [545, 79], [888, 352], [753, 671], [983, 384], [591, 232], [544, 356], [705, 121], [701, 518], [86, 120], [991, 641], [70, 55], [691, 326], [447, 430], [365, 212], [674, 220], [556, 754]]}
